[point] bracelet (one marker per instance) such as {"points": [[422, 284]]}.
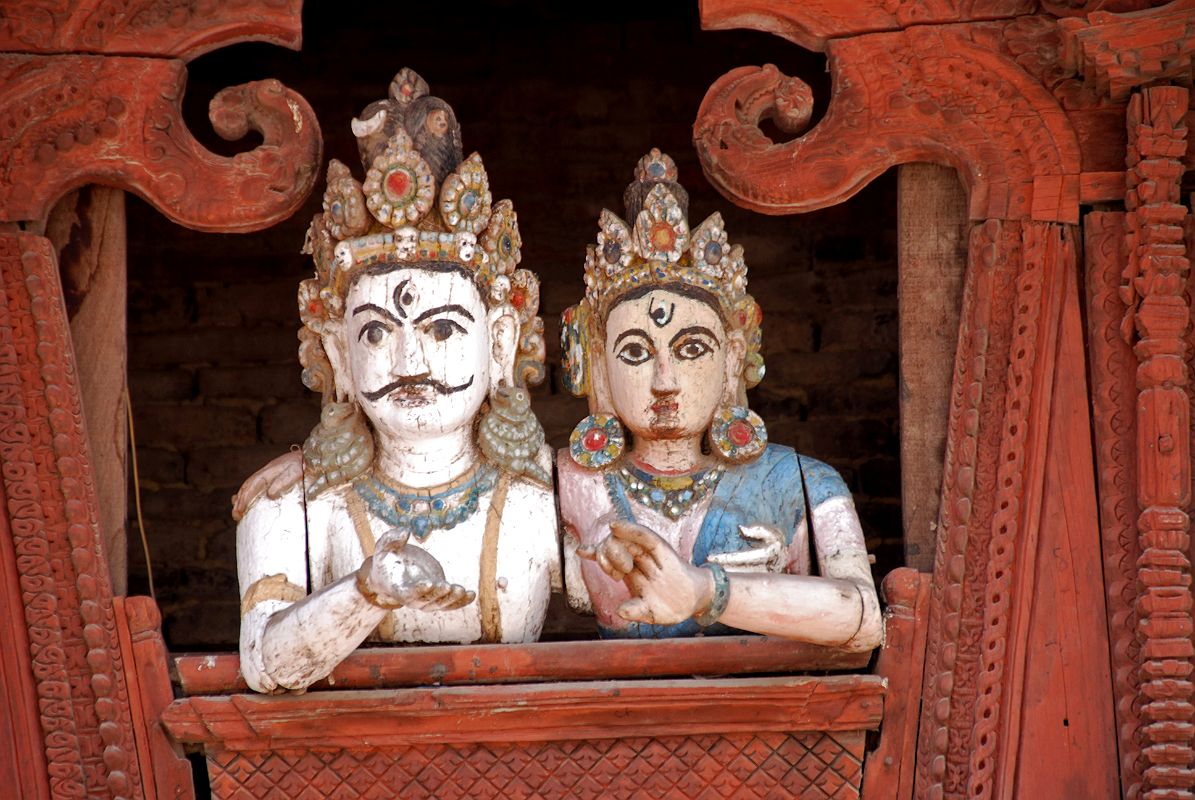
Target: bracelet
{"points": [[721, 597], [368, 593]]}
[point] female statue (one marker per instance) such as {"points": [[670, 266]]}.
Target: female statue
{"points": [[686, 519], [408, 508]]}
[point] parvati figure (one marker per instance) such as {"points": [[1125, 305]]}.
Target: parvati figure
{"points": [[408, 506], [686, 520]]}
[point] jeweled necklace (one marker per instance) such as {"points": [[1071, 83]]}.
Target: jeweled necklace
{"points": [[671, 495], [422, 511]]}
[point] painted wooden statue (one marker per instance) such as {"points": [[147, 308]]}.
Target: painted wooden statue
{"points": [[686, 520], [417, 324]]}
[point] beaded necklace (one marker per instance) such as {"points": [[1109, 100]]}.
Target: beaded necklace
{"points": [[670, 495], [422, 511]]}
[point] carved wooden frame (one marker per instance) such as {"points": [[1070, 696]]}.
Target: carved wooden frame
{"points": [[90, 92], [1026, 101]]}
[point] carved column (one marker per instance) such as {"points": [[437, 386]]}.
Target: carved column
{"points": [[1156, 279], [1017, 666]]}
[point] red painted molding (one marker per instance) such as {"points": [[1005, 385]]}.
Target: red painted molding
{"points": [[146, 27], [389, 667]]}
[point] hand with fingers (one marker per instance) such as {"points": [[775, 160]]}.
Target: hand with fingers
{"points": [[403, 574], [768, 556], [665, 588], [273, 480]]}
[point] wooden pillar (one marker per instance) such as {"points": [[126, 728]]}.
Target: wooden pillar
{"points": [[932, 226], [87, 228]]}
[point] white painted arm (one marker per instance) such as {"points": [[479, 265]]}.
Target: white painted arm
{"points": [[290, 639], [839, 607]]}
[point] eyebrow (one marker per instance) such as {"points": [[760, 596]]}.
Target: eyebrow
{"points": [[694, 329], [376, 309], [630, 332], [453, 307]]}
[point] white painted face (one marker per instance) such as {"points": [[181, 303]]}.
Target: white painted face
{"points": [[418, 349], [666, 362]]}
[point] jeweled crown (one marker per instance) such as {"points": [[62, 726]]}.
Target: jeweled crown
{"points": [[420, 200], [660, 249]]}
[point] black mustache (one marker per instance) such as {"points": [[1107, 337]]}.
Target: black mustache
{"points": [[439, 386]]}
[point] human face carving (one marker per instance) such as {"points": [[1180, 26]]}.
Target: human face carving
{"points": [[665, 358], [417, 343]]}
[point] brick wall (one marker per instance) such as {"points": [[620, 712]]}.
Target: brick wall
{"points": [[561, 103]]}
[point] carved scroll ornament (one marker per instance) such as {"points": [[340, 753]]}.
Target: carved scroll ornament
{"points": [[945, 94], [70, 120]]}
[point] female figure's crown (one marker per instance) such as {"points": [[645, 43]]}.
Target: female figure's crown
{"points": [[660, 248]]}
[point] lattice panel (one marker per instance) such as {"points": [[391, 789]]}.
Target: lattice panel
{"points": [[809, 766]]}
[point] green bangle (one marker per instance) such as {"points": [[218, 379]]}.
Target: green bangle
{"points": [[720, 599]]}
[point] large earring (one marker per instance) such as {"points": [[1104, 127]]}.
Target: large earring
{"points": [[737, 434], [597, 441], [510, 435]]}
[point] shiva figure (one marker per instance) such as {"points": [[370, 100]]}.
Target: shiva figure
{"points": [[686, 521], [426, 484]]}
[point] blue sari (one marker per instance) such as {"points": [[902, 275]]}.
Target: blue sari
{"points": [[771, 490]]}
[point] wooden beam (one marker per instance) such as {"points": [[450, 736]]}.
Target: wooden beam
{"points": [[932, 240], [87, 228], [391, 667]]}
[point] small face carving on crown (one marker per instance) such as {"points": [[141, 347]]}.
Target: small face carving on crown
{"points": [[406, 240]]}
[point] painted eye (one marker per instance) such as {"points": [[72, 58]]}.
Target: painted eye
{"points": [[634, 353], [373, 332], [691, 349], [442, 329]]}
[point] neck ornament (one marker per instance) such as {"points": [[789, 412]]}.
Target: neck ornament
{"points": [[421, 511], [670, 495]]}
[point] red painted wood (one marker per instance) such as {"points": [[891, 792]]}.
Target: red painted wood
{"points": [[118, 122], [1113, 387], [22, 759], [1064, 747], [890, 768], [167, 772], [146, 27], [541, 712], [812, 24], [80, 686], [391, 667], [899, 97]]}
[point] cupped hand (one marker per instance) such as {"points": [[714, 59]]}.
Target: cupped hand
{"points": [[406, 574], [273, 480], [665, 588]]}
